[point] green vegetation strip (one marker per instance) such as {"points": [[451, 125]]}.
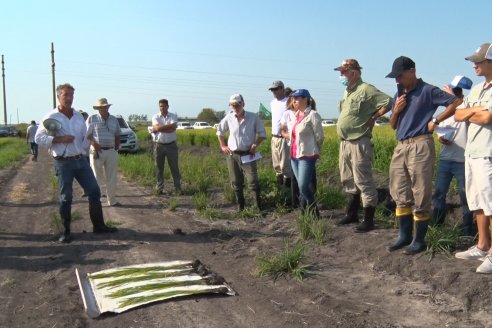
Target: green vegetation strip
{"points": [[149, 276], [156, 286], [11, 151], [139, 271]]}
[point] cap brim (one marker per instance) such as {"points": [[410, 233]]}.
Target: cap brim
{"points": [[475, 58], [392, 75]]}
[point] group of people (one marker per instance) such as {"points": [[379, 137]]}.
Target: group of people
{"points": [[464, 127]]}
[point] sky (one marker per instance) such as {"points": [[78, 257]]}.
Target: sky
{"points": [[198, 53]]}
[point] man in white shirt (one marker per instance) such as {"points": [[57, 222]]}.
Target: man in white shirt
{"points": [[164, 129], [280, 147], [31, 132]]}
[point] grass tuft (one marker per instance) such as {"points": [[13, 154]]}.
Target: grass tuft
{"points": [[287, 262], [311, 227], [444, 239]]}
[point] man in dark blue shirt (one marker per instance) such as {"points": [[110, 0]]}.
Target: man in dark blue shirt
{"points": [[412, 164]]}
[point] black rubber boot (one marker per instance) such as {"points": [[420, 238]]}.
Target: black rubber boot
{"points": [[240, 200], [367, 223], [97, 219], [438, 217], [312, 208], [287, 182], [294, 193], [468, 226], [418, 244], [280, 179], [66, 218], [405, 223], [352, 214], [258, 199]]}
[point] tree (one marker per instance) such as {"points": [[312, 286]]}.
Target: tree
{"points": [[208, 115]]}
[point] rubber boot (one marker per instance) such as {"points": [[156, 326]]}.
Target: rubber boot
{"points": [[418, 244], [280, 179], [97, 218], [353, 204], [313, 209], [258, 199], [66, 217], [287, 182], [469, 228], [367, 223], [240, 200], [294, 193], [405, 223], [438, 217]]}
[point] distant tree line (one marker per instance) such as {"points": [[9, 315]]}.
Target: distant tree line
{"points": [[137, 118]]}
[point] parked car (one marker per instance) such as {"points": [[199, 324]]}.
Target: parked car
{"points": [[216, 126], [4, 131], [184, 125], [202, 125], [328, 123], [128, 137]]}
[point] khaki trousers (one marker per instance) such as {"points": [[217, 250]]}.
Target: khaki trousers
{"points": [[411, 173], [281, 157], [355, 164], [105, 168]]}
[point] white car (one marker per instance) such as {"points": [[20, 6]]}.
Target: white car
{"points": [[202, 125], [184, 126], [128, 138], [328, 123]]}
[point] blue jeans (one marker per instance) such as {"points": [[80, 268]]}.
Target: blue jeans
{"points": [[304, 169], [34, 149], [68, 170], [445, 173]]}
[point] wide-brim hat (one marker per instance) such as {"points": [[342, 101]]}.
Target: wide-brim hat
{"points": [[101, 103]]}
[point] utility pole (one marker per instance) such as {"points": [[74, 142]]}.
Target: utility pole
{"points": [[53, 73], [4, 96]]}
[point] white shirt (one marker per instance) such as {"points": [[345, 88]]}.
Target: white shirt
{"points": [[31, 132], [288, 119], [278, 107], [164, 137], [457, 134], [242, 134], [74, 126]]}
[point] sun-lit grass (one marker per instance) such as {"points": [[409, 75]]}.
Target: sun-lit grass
{"points": [[286, 262], [445, 239], [311, 227], [12, 150]]}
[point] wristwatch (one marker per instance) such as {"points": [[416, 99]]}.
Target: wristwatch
{"points": [[435, 121]]}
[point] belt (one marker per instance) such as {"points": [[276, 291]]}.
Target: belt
{"points": [[68, 158], [165, 143], [416, 139], [276, 136], [107, 148]]}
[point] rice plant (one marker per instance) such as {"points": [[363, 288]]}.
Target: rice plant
{"points": [[287, 262], [172, 204], [445, 239], [311, 227], [200, 201]]}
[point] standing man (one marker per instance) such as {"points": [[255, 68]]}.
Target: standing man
{"points": [[361, 105], [280, 147], [452, 136], [103, 133], [246, 132], [412, 164], [164, 127], [477, 111], [30, 134], [66, 144]]}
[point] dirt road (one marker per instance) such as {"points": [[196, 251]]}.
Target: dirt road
{"points": [[356, 282]]}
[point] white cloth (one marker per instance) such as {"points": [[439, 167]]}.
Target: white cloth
{"points": [[164, 137], [242, 134], [74, 126], [278, 107], [478, 179], [455, 132], [31, 132]]}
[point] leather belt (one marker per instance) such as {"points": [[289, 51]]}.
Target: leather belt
{"points": [[68, 158], [276, 136], [415, 139], [240, 152], [167, 143]]}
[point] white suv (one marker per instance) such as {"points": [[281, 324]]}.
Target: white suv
{"points": [[128, 138], [183, 125], [201, 125]]}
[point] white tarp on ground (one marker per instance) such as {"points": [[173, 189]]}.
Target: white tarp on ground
{"points": [[120, 289]]}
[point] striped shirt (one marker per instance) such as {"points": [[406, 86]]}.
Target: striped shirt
{"points": [[103, 131], [242, 134]]}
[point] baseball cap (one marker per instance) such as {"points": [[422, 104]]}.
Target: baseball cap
{"points": [[235, 99], [400, 65], [300, 93], [348, 64], [481, 54], [462, 82], [276, 84]]}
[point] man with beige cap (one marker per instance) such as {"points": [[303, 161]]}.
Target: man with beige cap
{"points": [[477, 112], [103, 133]]}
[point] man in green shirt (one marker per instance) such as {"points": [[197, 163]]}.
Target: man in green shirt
{"points": [[361, 105]]}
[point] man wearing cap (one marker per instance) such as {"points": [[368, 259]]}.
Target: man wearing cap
{"points": [[66, 143], [361, 105], [412, 164], [477, 111], [452, 136], [164, 126], [280, 148], [246, 132], [30, 134], [103, 133]]}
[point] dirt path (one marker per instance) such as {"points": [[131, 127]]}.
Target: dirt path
{"points": [[356, 283]]}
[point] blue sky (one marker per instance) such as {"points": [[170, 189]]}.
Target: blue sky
{"points": [[198, 53]]}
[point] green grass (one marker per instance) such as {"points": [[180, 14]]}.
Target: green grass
{"points": [[12, 150], [310, 227], [287, 262], [445, 239]]}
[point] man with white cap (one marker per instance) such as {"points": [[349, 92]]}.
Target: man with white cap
{"points": [[279, 145], [452, 136], [103, 133], [477, 111], [246, 132]]}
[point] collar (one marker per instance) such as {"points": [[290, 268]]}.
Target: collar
{"points": [[359, 82]]}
